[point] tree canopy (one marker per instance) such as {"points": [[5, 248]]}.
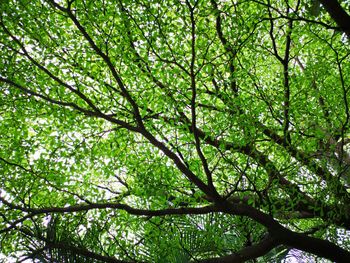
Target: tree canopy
{"points": [[174, 131]]}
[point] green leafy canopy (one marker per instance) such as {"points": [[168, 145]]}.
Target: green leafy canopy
{"points": [[174, 131]]}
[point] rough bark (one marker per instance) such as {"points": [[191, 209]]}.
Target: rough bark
{"points": [[340, 16]]}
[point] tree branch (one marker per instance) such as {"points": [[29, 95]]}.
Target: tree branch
{"points": [[247, 253], [340, 16]]}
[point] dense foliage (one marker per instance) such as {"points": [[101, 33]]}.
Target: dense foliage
{"points": [[174, 131]]}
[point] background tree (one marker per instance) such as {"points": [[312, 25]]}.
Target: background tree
{"points": [[174, 131]]}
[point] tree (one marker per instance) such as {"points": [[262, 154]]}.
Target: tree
{"points": [[174, 131]]}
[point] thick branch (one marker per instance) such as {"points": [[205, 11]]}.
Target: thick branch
{"points": [[340, 16], [287, 237], [319, 247], [127, 208], [194, 97], [247, 253]]}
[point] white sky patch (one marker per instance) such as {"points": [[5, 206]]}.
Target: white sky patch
{"points": [[37, 154]]}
